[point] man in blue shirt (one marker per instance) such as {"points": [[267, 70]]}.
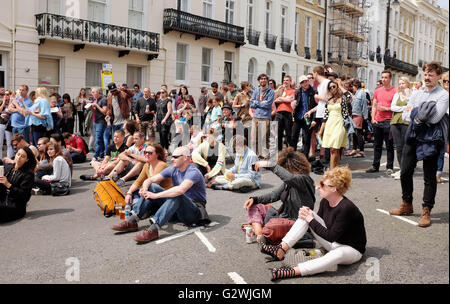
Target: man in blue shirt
{"points": [[137, 95], [185, 201], [17, 119], [261, 102]]}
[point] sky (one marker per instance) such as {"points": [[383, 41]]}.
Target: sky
{"points": [[443, 3]]}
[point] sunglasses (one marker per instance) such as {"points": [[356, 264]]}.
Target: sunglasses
{"points": [[322, 184], [333, 87], [176, 156], [445, 81], [148, 152]]}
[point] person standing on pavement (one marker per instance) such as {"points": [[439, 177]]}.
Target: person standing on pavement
{"points": [[201, 104], [398, 125], [304, 101], [118, 106], [381, 121], [144, 113], [133, 101], [80, 101], [261, 101], [360, 113], [99, 110], [445, 85], [284, 112], [17, 119], [432, 104]]}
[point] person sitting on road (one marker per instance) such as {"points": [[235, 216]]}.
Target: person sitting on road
{"points": [[58, 139], [241, 177], [16, 184], [18, 142], [111, 159], [338, 226], [156, 162], [131, 160], [185, 201], [209, 157], [75, 145], [61, 170], [43, 160], [296, 191]]}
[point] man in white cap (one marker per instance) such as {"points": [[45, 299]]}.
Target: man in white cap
{"points": [[185, 201], [304, 101]]}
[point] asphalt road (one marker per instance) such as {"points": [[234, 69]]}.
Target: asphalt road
{"points": [[59, 233]]}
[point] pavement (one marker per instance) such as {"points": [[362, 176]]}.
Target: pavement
{"points": [[67, 240]]}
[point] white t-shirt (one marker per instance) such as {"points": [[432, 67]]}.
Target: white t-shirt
{"points": [[322, 91]]}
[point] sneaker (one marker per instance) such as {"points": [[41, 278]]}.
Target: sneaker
{"points": [[146, 236], [120, 182], [396, 175], [125, 226], [372, 170], [105, 178], [389, 171]]}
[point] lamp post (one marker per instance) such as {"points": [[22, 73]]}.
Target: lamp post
{"points": [[388, 17]]}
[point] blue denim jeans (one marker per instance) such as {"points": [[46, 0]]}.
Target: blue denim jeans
{"points": [[25, 131], [106, 137], [181, 206], [99, 143], [441, 161]]}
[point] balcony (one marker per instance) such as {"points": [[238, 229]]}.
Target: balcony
{"points": [[51, 26], [270, 40], [371, 56], [396, 64], [286, 44], [253, 36], [176, 20], [319, 55], [307, 53]]}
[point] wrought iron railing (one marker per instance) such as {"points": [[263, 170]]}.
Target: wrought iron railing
{"points": [[399, 65], [379, 57], [371, 55], [51, 25], [307, 53], [286, 44], [319, 55], [270, 40], [253, 36], [176, 20]]}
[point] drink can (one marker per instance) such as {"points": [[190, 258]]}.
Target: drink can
{"points": [[250, 236], [122, 214], [307, 120]]}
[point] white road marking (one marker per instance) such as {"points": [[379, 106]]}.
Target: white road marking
{"points": [[236, 278], [399, 217], [175, 236], [205, 241]]}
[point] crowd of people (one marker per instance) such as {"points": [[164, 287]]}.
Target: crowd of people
{"points": [[133, 133]]}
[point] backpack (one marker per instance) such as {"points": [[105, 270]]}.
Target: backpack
{"points": [[108, 196]]}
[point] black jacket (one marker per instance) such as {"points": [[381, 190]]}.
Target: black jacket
{"points": [[311, 102]]}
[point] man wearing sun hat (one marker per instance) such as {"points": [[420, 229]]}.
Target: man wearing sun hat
{"points": [[304, 101]]}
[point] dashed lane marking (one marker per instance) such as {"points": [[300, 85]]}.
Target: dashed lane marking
{"points": [[399, 217], [175, 236], [205, 241], [236, 278]]}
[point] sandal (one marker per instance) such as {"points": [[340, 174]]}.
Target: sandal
{"points": [[354, 152], [358, 155], [272, 250], [282, 273]]}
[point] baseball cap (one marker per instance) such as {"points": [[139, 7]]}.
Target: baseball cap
{"points": [[302, 78]]}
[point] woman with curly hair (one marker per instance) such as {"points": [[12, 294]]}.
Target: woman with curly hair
{"points": [[338, 226], [296, 191], [130, 127]]}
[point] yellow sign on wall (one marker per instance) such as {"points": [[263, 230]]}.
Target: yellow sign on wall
{"points": [[107, 77]]}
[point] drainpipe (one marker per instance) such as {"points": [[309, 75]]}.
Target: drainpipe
{"points": [[13, 35], [165, 64], [325, 53]]}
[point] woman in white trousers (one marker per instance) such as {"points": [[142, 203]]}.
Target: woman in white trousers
{"points": [[338, 226]]}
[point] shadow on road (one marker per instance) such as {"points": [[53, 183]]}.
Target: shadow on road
{"points": [[32, 215]]}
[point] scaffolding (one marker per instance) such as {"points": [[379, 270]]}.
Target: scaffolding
{"points": [[348, 37]]}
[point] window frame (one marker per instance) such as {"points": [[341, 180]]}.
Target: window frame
{"points": [[210, 66], [60, 86], [186, 70]]}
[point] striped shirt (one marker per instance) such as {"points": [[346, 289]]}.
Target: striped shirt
{"points": [[437, 94]]}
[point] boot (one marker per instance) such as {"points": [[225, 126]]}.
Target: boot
{"points": [[425, 219], [404, 209]]}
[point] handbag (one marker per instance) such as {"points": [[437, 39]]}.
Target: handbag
{"points": [[60, 188]]}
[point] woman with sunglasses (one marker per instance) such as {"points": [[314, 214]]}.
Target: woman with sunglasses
{"points": [[164, 118], [338, 226], [332, 131], [156, 162]]}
